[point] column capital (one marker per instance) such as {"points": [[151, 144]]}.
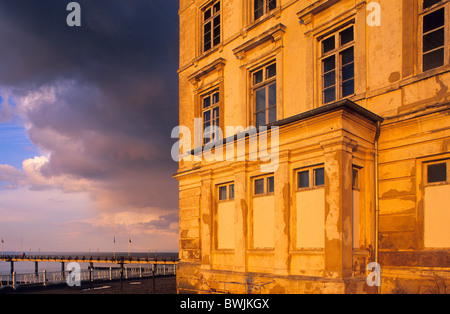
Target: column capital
{"points": [[240, 167], [284, 156], [343, 143], [206, 175]]}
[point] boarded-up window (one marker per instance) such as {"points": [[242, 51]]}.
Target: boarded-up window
{"points": [[310, 208], [437, 205], [225, 217], [263, 213]]}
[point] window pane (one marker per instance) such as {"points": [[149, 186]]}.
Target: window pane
{"points": [[215, 98], [271, 70], [216, 32], [434, 40], [272, 4], [303, 179], [270, 184], [355, 179], [259, 8], [329, 64], [329, 95], [207, 28], [231, 195], [222, 193], [206, 102], [346, 36], [215, 113], [319, 177], [207, 14], [258, 77], [272, 114], [348, 72], [433, 20], [348, 88], [207, 46], [259, 186], [329, 79], [328, 45], [217, 7], [433, 59], [260, 99], [207, 116], [272, 94], [437, 173], [429, 3], [216, 41], [260, 119], [347, 56]]}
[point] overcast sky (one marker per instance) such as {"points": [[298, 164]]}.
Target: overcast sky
{"points": [[86, 115]]}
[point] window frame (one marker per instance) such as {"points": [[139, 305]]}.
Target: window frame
{"points": [[338, 67], [444, 4], [436, 162], [266, 191], [218, 105], [265, 9], [356, 180], [265, 85], [312, 178], [204, 21], [228, 186]]}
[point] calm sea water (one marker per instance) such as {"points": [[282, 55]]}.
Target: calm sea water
{"points": [[28, 267]]}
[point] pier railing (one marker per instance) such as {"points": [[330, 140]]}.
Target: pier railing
{"points": [[90, 275]]}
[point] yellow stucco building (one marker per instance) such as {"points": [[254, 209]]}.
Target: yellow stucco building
{"points": [[350, 100]]}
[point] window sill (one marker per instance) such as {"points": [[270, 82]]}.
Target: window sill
{"points": [[429, 185], [310, 188], [309, 251], [226, 201], [262, 250], [224, 251], [255, 23], [219, 48], [263, 195]]}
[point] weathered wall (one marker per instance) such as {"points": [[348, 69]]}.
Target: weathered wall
{"points": [[413, 238]]}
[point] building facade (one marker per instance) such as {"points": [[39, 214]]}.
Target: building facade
{"points": [[350, 100]]}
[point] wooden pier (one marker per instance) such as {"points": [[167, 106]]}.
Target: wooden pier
{"points": [[126, 267]]}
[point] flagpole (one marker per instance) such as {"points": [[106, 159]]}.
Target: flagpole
{"points": [[114, 252]]}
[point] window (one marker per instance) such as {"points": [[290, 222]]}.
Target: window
{"points": [[355, 178], [437, 172], [261, 7], [303, 179], [264, 87], [264, 186], [211, 26], [433, 34], [226, 192], [211, 112], [316, 176], [338, 65]]}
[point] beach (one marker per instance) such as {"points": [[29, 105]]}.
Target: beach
{"points": [[163, 285]]}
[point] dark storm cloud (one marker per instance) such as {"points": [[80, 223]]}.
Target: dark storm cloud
{"points": [[114, 84]]}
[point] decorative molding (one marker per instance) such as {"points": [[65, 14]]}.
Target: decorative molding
{"points": [[216, 65], [274, 34]]}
